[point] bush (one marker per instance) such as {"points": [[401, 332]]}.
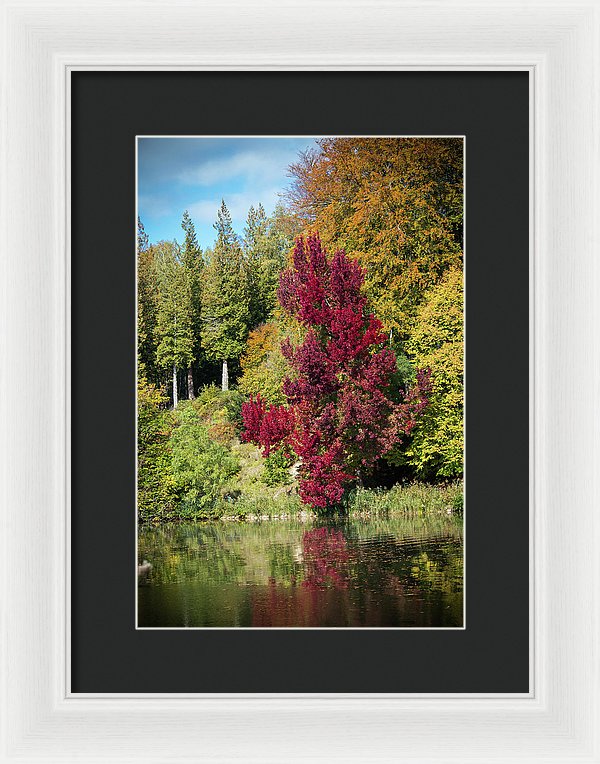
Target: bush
{"points": [[265, 506], [201, 466], [277, 468], [156, 485], [217, 407]]}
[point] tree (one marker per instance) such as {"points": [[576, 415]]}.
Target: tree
{"points": [[436, 340], [263, 366], [174, 326], [265, 248], [226, 298], [147, 307], [142, 236], [341, 414], [191, 258], [395, 205]]}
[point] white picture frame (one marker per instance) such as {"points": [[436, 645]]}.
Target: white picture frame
{"points": [[43, 41]]}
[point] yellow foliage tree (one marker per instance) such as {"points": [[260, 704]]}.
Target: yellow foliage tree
{"points": [[437, 341], [263, 366], [395, 204]]}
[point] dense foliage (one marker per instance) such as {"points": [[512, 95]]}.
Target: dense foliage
{"points": [[436, 340], [347, 366], [342, 414], [394, 205]]}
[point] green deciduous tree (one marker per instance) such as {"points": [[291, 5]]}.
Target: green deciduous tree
{"points": [[263, 366], [156, 487]]}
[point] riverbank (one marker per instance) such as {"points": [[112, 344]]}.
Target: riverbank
{"points": [[192, 467], [283, 503]]}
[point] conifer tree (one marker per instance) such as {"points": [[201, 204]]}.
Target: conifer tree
{"points": [[265, 250], [174, 326], [147, 306], [225, 298], [191, 257]]}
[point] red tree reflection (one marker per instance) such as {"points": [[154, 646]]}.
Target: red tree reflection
{"points": [[325, 554], [322, 596]]}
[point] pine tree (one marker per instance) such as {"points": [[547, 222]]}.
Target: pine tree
{"points": [[174, 326], [147, 306], [265, 248], [225, 298], [142, 237], [191, 258]]}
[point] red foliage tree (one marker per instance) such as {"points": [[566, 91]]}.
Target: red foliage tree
{"points": [[267, 427], [341, 415]]}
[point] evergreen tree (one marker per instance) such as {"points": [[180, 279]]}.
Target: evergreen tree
{"points": [[225, 298], [174, 326], [191, 252], [265, 250], [147, 306], [142, 236], [191, 257]]}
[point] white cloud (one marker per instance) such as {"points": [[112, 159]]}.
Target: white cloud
{"points": [[153, 206], [249, 164], [238, 204]]}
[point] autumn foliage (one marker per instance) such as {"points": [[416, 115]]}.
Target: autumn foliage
{"points": [[342, 411], [395, 205]]}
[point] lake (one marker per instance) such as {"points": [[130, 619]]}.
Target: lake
{"points": [[392, 572]]}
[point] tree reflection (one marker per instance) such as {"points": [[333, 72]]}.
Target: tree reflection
{"points": [[325, 555], [377, 572]]}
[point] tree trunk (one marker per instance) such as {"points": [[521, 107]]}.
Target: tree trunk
{"points": [[174, 386], [190, 378], [225, 377]]}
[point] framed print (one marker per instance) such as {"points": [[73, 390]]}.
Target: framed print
{"points": [[341, 632], [212, 568]]}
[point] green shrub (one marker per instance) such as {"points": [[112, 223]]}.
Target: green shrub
{"points": [[277, 468], [286, 504], [217, 407], [156, 485], [201, 466]]}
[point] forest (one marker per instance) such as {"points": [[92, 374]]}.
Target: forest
{"points": [[311, 363]]}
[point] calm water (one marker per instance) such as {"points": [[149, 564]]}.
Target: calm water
{"points": [[391, 572]]}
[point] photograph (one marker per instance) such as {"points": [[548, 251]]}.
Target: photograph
{"points": [[300, 361]]}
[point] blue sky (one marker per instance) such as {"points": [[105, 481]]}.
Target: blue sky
{"points": [[175, 174]]}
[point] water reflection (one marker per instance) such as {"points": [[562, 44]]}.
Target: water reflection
{"points": [[325, 558], [384, 572]]}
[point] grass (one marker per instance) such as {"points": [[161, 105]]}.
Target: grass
{"points": [[412, 498]]}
